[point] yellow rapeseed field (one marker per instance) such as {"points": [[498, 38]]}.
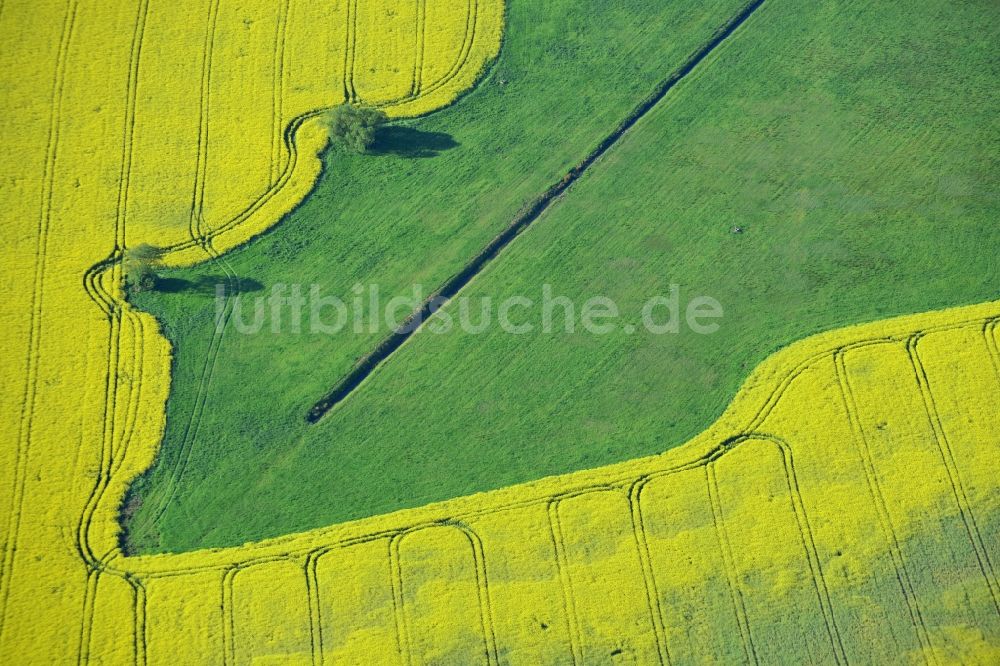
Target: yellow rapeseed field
{"points": [[844, 509]]}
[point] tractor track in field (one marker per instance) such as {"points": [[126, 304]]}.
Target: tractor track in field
{"points": [[309, 568], [419, 44], [641, 537], [803, 529], [279, 67], [808, 542], [991, 335], [112, 457], [397, 584], [565, 584], [461, 58], [364, 369], [228, 617], [30, 391], [889, 531], [729, 566], [958, 485], [350, 47], [417, 87]]}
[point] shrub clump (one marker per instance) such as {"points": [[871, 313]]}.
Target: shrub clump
{"points": [[139, 265], [353, 127]]}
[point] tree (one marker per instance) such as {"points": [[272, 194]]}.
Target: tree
{"points": [[354, 127], [139, 265]]}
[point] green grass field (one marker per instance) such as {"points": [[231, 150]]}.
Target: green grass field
{"points": [[855, 144]]}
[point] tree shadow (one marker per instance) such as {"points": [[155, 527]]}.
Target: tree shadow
{"points": [[411, 143], [207, 285]]}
